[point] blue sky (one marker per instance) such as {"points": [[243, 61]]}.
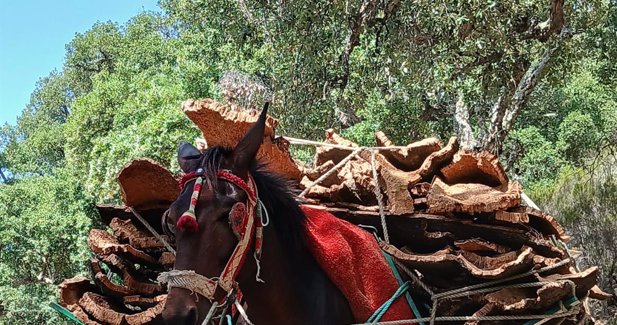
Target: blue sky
{"points": [[33, 35]]}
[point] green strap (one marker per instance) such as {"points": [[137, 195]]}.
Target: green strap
{"points": [[410, 301], [65, 312]]}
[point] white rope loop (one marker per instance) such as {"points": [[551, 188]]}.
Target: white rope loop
{"points": [[190, 280]]}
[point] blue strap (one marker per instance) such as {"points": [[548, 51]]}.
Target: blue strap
{"points": [[386, 305], [410, 301]]}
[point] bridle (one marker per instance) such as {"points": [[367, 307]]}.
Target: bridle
{"points": [[247, 224]]}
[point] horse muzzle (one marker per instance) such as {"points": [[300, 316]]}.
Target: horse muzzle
{"points": [[182, 307]]}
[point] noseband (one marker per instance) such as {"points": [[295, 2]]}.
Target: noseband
{"points": [[246, 222]]}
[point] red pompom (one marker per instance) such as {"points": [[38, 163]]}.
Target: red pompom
{"points": [[187, 222]]}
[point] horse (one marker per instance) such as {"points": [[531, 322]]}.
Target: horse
{"points": [[228, 204]]}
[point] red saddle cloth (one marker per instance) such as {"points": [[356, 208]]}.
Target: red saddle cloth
{"points": [[353, 260]]}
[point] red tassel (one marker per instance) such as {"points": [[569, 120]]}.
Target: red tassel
{"points": [[187, 222]]}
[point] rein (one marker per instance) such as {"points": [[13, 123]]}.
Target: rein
{"points": [[246, 222]]}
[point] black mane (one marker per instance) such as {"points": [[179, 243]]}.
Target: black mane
{"points": [[277, 195]]}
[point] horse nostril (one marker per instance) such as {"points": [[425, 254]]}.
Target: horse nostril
{"points": [[191, 317], [184, 316]]}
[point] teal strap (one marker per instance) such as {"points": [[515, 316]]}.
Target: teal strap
{"points": [[386, 305], [65, 312], [410, 301]]}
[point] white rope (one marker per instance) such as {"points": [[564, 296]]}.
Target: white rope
{"points": [[258, 263], [265, 213], [338, 146], [488, 284], [571, 312], [332, 170], [379, 197], [414, 277], [152, 231], [242, 312]]}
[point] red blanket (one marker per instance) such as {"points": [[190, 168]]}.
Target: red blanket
{"points": [[353, 261]]}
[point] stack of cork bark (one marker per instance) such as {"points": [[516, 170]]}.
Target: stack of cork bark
{"points": [[127, 258], [453, 218]]}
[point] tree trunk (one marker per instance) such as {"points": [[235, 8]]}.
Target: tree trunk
{"points": [[4, 179], [503, 115]]}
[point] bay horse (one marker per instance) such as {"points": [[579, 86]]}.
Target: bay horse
{"points": [[218, 244]]}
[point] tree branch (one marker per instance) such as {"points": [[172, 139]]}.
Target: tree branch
{"points": [[365, 18], [4, 179], [504, 116], [461, 116], [552, 26]]}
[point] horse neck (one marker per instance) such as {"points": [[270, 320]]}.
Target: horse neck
{"points": [[296, 290]]}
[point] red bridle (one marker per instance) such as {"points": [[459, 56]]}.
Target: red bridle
{"points": [[246, 223]]}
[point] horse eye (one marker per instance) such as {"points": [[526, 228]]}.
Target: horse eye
{"points": [[169, 228], [230, 190]]}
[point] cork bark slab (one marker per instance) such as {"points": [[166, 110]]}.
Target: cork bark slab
{"points": [[438, 159], [126, 231], [102, 310], [224, 125], [78, 312], [502, 216], [480, 246], [144, 302], [316, 172], [108, 212], [221, 124], [131, 279], [411, 157], [102, 243], [584, 280], [396, 185], [520, 300], [596, 293], [324, 154], [482, 168], [471, 197], [106, 286], [145, 183], [357, 177], [546, 224], [167, 259], [72, 289], [447, 259]]}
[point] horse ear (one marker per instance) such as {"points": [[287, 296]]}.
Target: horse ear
{"points": [[188, 157], [244, 153]]}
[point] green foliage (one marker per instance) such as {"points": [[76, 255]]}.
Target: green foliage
{"points": [[117, 98], [577, 136], [585, 201], [29, 304], [534, 157], [29, 148], [43, 234]]}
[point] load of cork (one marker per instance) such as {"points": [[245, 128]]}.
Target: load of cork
{"points": [[475, 246]]}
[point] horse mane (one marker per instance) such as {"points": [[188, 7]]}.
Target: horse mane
{"points": [[278, 196]]}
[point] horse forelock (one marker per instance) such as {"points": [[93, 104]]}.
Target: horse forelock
{"points": [[277, 193]]}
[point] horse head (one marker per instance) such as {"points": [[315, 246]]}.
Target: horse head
{"points": [[216, 225]]}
